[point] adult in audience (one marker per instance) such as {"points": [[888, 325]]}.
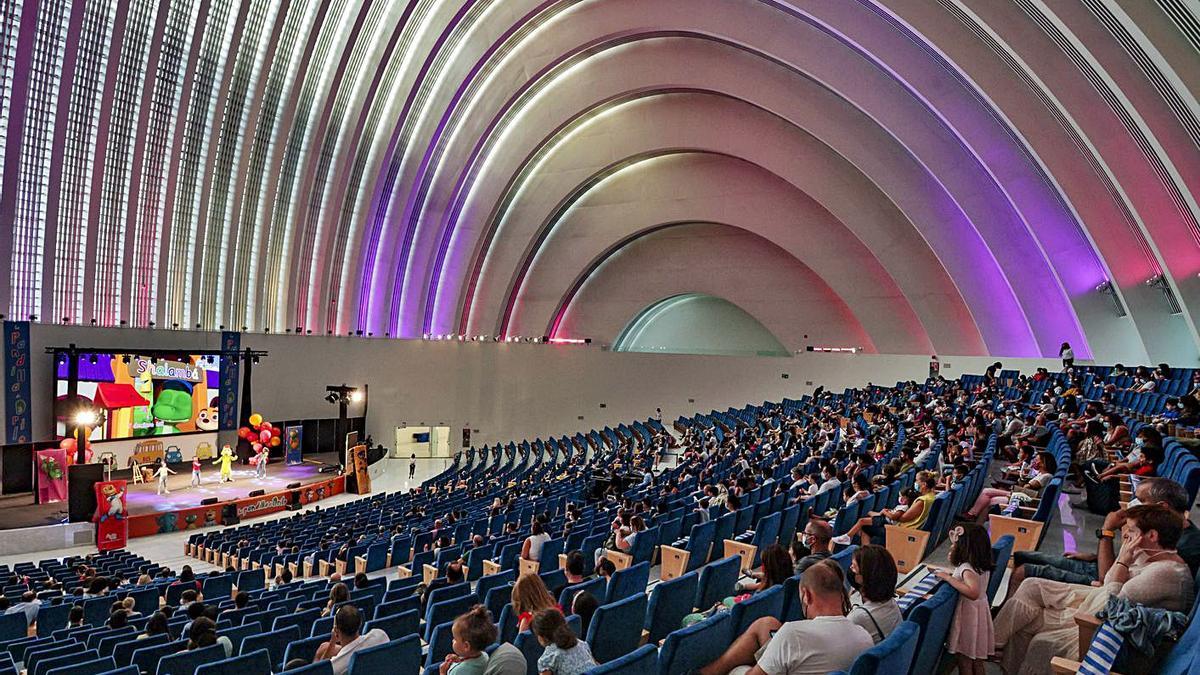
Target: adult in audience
{"points": [[532, 548], [187, 578], [1043, 469], [776, 568], [1037, 622], [873, 527], [337, 593], [28, 605], [874, 575], [454, 573], [203, 633], [529, 595], [506, 660], [1084, 568], [815, 539], [75, 617], [155, 625], [584, 605], [825, 642], [345, 639]]}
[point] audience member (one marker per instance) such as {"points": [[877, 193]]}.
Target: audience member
{"points": [[874, 575], [345, 639], [529, 595], [824, 641], [472, 632], [815, 539], [971, 637], [565, 654]]}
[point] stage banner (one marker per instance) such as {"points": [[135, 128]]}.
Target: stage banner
{"points": [[112, 529], [231, 344], [362, 473], [51, 475], [18, 425], [295, 443]]}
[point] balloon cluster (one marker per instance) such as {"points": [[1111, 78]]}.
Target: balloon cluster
{"points": [[260, 433], [70, 446]]}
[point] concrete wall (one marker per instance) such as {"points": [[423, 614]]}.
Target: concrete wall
{"points": [[505, 390]]}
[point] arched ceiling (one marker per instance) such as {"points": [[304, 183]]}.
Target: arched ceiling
{"points": [[958, 176]]}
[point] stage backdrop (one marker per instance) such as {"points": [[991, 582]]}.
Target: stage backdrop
{"points": [[175, 449]]}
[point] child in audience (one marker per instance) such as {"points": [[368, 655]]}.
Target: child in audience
{"points": [[584, 605], [565, 653], [972, 638], [472, 633]]}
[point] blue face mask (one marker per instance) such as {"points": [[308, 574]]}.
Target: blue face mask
{"points": [[1140, 443]]}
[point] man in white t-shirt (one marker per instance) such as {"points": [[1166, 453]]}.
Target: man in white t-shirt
{"points": [[825, 642], [345, 639]]}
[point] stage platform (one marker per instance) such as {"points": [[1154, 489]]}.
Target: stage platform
{"points": [[151, 513]]}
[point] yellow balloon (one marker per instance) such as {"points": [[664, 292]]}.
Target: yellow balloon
{"points": [[255, 420]]}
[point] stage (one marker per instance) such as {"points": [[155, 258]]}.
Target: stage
{"points": [[151, 513]]}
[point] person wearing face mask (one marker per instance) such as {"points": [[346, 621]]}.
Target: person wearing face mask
{"points": [[873, 574], [815, 540], [826, 640]]}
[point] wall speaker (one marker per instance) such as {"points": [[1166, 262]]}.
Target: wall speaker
{"points": [[209, 501], [293, 486], [258, 493]]}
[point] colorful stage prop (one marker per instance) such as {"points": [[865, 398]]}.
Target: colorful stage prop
{"points": [[112, 526]]}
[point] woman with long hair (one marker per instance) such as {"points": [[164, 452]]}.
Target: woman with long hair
{"points": [[529, 595]]}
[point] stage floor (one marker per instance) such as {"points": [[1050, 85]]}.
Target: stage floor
{"points": [[142, 498]]}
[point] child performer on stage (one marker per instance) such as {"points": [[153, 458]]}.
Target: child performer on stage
{"points": [[264, 454], [162, 472], [195, 470]]}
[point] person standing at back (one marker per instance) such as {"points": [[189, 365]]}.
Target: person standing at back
{"points": [[412, 466]]}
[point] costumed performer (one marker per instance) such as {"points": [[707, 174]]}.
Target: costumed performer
{"points": [[226, 462], [261, 460]]}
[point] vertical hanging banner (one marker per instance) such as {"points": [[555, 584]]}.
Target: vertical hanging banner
{"points": [[362, 474], [295, 444], [231, 344], [18, 426], [112, 528]]}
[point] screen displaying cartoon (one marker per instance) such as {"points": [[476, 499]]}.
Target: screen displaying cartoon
{"points": [[142, 395]]}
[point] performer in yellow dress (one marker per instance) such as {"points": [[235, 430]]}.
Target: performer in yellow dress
{"points": [[226, 462]]}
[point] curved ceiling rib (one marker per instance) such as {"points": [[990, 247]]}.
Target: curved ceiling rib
{"points": [[424, 166]]}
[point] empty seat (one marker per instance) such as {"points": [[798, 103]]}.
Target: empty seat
{"points": [[257, 662], [187, 662], [398, 656], [275, 642], [669, 602], [894, 654], [641, 661], [763, 603], [716, 582], [627, 582], [696, 646], [616, 628]]}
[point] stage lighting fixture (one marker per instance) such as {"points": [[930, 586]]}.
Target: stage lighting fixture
{"points": [[153, 359], [93, 321], [243, 329], [33, 317], [222, 327], [308, 332], [358, 332], [124, 358], [356, 396], [93, 359], [197, 326], [124, 323], [66, 320], [85, 418], [267, 329], [254, 359], [62, 359]]}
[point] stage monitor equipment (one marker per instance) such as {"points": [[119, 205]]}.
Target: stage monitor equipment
{"points": [[257, 493], [229, 514], [81, 493], [141, 396], [209, 501], [293, 486]]}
